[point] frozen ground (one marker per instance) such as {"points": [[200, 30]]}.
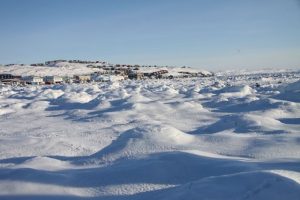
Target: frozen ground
{"points": [[206, 138]]}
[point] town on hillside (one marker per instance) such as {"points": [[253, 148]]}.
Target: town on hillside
{"points": [[101, 72]]}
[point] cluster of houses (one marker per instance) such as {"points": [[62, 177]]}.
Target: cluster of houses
{"points": [[104, 72], [134, 72], [53, 62], [101, 76], [46, 80]]}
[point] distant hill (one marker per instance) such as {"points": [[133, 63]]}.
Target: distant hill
{"points": [[75, 67]]}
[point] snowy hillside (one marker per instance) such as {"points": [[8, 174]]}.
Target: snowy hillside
{"points": [[60, 69], [66, 68], [232, 136]]}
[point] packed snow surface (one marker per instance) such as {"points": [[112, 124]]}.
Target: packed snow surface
{"points": [[233, 136]]}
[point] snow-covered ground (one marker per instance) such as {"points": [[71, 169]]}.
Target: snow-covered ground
{"points": [[203, 138]]}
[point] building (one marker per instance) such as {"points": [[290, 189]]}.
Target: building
{"points": [[67, 79], [82, 78], [33, 80], [53, 80], [6, 76], [135, 75], [10, 79], [13, 81]]}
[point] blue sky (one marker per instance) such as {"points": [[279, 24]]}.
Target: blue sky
{"points": [[211, 34]]}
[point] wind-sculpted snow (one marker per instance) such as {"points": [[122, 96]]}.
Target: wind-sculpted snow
{"points": [[207, 138]]}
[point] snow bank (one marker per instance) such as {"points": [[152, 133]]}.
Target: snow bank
{"points": [[291, 92], [236, 91], [76, 97], [41, 163], [265, 185], [50, 94]]}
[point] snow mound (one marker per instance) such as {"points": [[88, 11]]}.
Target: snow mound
{"points": [[37, 105], [4, 111], [236, 91], [146, 139], [293, 87], [237, 186], [291, 92], [51, 94], [76, 97], [42, 163]]}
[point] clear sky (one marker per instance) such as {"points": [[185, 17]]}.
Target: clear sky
{"points": [[211, 34]]}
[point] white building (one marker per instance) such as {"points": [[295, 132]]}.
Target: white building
{"points": [[53, 79], [33, 80]]}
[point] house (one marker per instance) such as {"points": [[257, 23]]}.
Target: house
{"points": [[53, 79], [10, 79], [13, 81], [82, 78], [33, 80], [68, 79], [135, 75], [6, 76], [122, 71]]}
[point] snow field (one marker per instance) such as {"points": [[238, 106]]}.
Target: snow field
{"points": [[154, 139]]}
